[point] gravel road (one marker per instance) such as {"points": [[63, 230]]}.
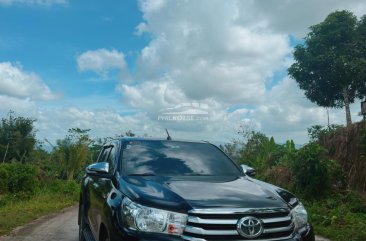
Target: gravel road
{"points": [[61, 226]]}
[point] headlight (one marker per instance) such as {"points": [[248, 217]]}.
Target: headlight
{"points": [[148, 219], [300, 216]]}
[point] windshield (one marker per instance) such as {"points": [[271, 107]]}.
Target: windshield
{"points": [[170, 158]]}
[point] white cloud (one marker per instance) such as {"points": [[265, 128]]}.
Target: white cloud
{"points": [[33, 2], [15, 82], [21, 106], [152, 6], [152, 96], [286, 113], [141, 28], [295, 16], [199, 53], [225, 53], [53, 123], [205, 53], [219, 53], [101, 61]]}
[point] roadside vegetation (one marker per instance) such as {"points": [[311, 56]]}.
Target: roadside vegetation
{"points": [[330, 171], [42, 182], [35, 181], [22, 207], [336, 205]]}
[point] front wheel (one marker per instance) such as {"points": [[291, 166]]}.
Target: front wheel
{"points": [[81, 223]]}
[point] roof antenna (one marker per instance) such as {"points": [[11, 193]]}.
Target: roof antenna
{"points": [[167, 132]]}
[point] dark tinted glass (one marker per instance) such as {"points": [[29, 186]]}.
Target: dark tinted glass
{"points": [[103, 157], [111, 158], [169, 158]]}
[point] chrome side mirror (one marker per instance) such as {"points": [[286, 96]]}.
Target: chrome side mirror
{"points": [[247, 170], [98, 168]]}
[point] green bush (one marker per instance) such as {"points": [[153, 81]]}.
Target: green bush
{"points": [[318, 132], [281, 176], [4, 177], [68, 188], [17, 177], [340, 217], [314, 172]]}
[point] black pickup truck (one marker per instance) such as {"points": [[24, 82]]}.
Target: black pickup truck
{"points": [[144, 189]]}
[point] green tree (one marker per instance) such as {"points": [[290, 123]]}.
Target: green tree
{"points": [[330, 65], [314, 172], [17, 138], [317, 132], [288, 154], [72, 151], [129, 133], [253, 148], [361, 28], [232, 149], [261, 152]]}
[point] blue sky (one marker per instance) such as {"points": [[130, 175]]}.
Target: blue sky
{"points": [[46, 39], [113, 66]]}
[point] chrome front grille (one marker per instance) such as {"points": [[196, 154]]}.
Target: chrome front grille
{"points": [[221, 224]]}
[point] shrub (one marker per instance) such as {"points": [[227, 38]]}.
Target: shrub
{"points": [[4, 177], [318, 132], [262, 153], [340, 217], [281, 176], [48, 170], [314, 172], [68, 188], [17, 177]]}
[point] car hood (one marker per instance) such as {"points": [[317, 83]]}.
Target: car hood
{"points": [[185, 193]]}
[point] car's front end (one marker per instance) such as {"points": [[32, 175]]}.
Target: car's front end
{"points": [[283, 224]]}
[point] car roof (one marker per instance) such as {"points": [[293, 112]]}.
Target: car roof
{"points": [[124, 139]]}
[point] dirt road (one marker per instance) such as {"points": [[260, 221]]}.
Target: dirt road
{"points": [[61, 226]]}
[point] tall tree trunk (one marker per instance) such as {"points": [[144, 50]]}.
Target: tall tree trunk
{"points": [[23, 157], [70, 175], [6, 152], [346, 104]]}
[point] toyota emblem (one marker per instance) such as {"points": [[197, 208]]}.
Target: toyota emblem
{"points": [[250, 227]]}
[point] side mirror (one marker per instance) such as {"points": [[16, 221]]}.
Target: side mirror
{"points": [[247, 170], [98, 169]]}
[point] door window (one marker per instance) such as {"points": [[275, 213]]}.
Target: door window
{"points": [[104, 155], [111, 159]]}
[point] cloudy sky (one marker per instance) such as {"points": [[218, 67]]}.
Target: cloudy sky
{"points": [[113, 66]]}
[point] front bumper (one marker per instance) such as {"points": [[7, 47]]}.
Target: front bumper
{"points": [[306, 234]]}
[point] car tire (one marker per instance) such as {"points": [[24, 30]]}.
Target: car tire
{"points": [[81, 223]]}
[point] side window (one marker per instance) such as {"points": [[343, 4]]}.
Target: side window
{"points": [[104, 155], [111, 158]]}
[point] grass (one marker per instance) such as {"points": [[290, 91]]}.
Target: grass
{"points": [[21, 208], [341, 217]]}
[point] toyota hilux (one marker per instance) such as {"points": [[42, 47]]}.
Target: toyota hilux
{"points": [[143, 189]]}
